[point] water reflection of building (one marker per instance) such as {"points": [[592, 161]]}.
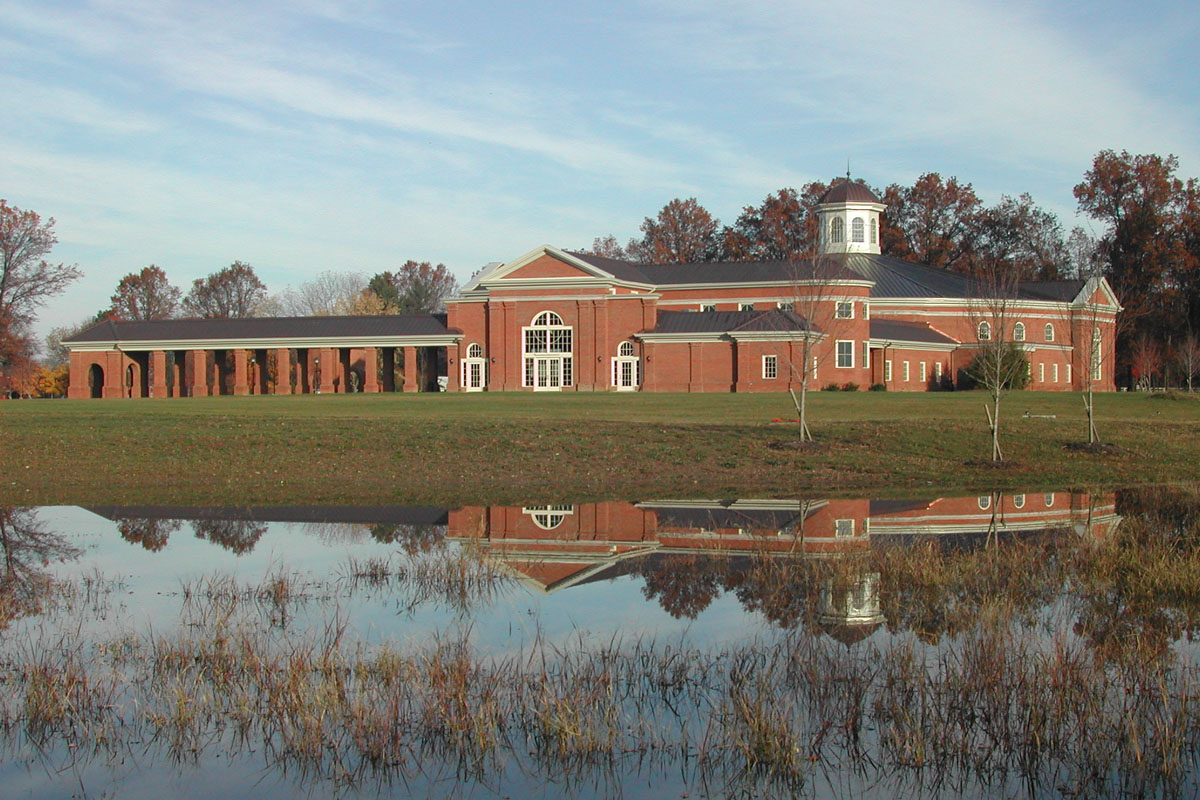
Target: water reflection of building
{"points": [[554, 547]]}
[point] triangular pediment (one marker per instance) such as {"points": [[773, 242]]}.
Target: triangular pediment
{"points": [[546, 263], [1097, 292]]}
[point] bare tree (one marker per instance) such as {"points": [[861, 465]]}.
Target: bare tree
{"points": [[1187, 357], [26, 547], [27, 280], [819, 309], [999, 362], [330, 294]]}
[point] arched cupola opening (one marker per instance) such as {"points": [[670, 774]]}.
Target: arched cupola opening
{"points": [[850, 213]]}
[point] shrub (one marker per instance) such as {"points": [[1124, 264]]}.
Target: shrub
{"points": [[878, 387], [831, 387], [849, 387], [1015, 368]]}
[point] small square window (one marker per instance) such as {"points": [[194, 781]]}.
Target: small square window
{"points": [[786, 306], [745, 306], [770, 367], [843, 528], [708, 307], [844, 310]]}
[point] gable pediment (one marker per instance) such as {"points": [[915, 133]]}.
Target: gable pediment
{"points": [[546, 263]]}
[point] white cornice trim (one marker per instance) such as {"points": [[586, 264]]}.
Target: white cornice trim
{"points": [[905, 345], [681, 287]]}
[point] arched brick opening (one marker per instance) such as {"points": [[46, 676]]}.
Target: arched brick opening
{"points": [[96, 381]]}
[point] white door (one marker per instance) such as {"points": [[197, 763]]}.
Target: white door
{"points": [[627, 374], [547, 374], [473, 375]]}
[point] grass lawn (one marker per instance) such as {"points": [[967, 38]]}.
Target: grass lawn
{"points": [[527, 449]]}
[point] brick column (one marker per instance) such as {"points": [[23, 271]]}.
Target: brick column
{"points": [[197, 373], [283, 372], [454, 359], [510, 359], [410, 369], [158, 373], [77, 386], [370, 369], [742, 376], [240, 385], [328, 367], [114, 375]]}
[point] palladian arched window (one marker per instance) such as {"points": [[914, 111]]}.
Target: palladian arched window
{"points": [[985, 331], [1048, 333], [626, 368], [626, 349], [1019, 332], [475, 351], [837, 230], [857, 231], [549, 352]]}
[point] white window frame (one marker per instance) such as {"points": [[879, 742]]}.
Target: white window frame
{"points": [[923, 368], [858, 230], [708, 306], [837, 230], [782, 306], [626, 354], [984, 331], [905, 372], [1048, 332], [984, 502], [1019, 332], [843, 528], [745, 306], [937, 371], [548, 517], [565, 357], [1018, 501], [1068, 373], [1096, 357], [474, 357], [1055, 372], [770, 367], [837, 349], [848, 305], [887, 370], [1042, 372]]}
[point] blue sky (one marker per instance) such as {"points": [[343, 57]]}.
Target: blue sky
{"points": [[316, 135]]}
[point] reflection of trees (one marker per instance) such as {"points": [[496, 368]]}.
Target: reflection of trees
{"points": [[151, 534], [236, 535], [685, 585], [412, 539], [25, 547]]}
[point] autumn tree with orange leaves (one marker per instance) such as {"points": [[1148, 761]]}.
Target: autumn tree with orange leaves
{"points": [[230, 293], [145, 295], [683, 232]]}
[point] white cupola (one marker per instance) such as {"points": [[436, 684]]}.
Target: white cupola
{"points": [[849, 218]]}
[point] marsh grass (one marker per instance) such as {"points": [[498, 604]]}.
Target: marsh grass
{"points": [[1041, 666]]}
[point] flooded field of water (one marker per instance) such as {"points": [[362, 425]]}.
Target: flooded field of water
{"points": [[999, 645]]}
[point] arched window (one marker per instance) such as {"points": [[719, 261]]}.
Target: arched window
{"points": [[626, 368], [857, 233], [1019, 332], [985, 502], [474, 369], [985, 331], [1095, 354], [1048, 333], [548, 351], [548, 517], [874, 232], [837, 230], [1018, 501]]}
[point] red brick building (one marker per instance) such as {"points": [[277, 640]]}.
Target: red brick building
{"points": [[552, 320]]}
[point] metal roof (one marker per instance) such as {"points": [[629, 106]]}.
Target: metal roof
{"points": [[897, 331], [729, 321]]}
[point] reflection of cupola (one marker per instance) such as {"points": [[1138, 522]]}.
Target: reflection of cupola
{"points": [[849, 217]]}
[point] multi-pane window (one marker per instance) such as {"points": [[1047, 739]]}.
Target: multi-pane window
{"points": [[1056, 373], [844, 310], [843, 528], [905, 372], [857, 231], [874, 231], [1019, 332], [625, 349], [985, 331], [1018, 501], [887, 371], [548, 517], [548, 348], [923, 378], [770, 366], [1048, 332], [745, 306], [475, 351], [1041, 373], [837, 230], [937, 371], [845, 354], [786, 306]]}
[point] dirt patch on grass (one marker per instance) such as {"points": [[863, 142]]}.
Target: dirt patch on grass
{"points": [[1096, 448], [796, 444]]}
